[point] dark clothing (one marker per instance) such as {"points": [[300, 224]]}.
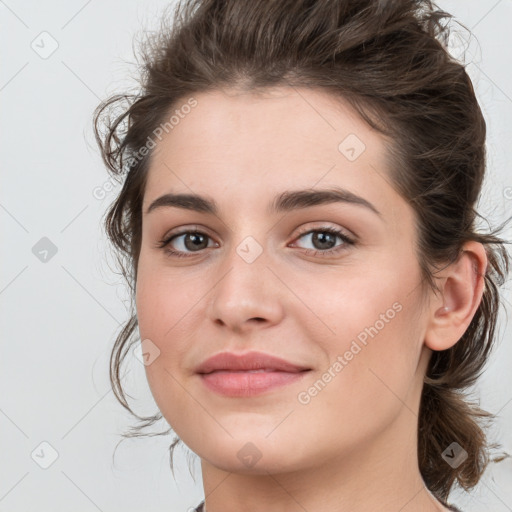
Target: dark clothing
{"points": [[200, 507]]}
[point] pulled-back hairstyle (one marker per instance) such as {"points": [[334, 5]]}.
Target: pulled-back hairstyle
{"points": [[389, 60]]}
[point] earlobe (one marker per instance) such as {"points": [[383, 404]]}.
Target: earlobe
{"points": [[462, 286]]}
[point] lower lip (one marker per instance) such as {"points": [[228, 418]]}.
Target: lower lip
{"points": [[245, 384]]}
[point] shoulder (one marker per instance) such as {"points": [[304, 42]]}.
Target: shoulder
{"points": [[200, 507]]}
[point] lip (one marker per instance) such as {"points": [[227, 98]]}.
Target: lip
{"points": [[225, 361], [248, 374]]}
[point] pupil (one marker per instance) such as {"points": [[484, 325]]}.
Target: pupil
{"points": [[321, 238], [196, 242]]}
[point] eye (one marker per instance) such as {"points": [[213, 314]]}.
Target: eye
{"points": [[324, 238], [196, 241], [192, 240]]}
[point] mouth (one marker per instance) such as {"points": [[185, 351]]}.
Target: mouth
{"points": [[249, 383], [248, 374], [260, 370], [249, 361]]}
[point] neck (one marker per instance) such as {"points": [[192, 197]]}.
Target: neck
{"points": [[379, 475]]}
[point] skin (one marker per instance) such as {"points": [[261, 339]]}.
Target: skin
{"points": [[353, 446]]}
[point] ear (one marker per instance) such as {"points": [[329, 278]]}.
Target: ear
{"points": [[462, 286]]}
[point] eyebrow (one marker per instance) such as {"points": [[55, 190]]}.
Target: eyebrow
{"points": [[284, 202]]}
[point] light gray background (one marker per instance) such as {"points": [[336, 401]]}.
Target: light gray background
{"points": [[59, 318]]}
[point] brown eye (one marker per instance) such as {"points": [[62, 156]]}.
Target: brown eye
{"points": [[185, 242], [324, 240], [193, 241]]}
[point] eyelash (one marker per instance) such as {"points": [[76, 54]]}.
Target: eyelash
{"points": [[312, 252]]}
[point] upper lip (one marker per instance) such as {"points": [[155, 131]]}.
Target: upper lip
{"points": [[247, 361]]}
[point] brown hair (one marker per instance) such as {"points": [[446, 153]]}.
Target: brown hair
{"points": [[389, 59]]}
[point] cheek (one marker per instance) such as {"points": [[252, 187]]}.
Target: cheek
{"points": [[163, 302], [365, 386], [367, 304], [373, 345], [167, 312]]}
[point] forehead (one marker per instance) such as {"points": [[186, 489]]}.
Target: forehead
{"points": [[238, 144], [268, 124]]}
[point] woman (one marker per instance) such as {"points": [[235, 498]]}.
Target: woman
{"points": [[297, 224]]}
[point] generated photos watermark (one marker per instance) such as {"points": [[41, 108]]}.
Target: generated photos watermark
{"points": [[361, 341], [101, 191]]}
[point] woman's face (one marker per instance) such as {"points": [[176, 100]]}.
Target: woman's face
{"points": [[251, 281]]}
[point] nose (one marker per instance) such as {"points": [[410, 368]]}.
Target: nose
{"points": [[248, 294]]}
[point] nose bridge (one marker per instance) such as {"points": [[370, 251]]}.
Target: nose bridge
{"points": [[246, 289]]}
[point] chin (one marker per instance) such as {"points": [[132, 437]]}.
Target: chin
{"points": [[254, 455]]}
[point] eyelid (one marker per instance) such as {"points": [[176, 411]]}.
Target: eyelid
{"points": [[326, 225], [192, 228], [183, 230], [348, 241]]}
